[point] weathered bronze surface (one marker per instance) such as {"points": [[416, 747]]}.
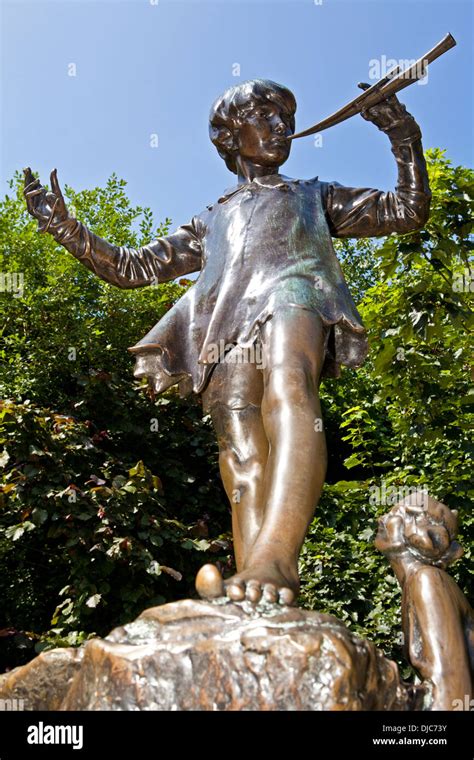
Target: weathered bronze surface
{"points": [[43, 683], [268, 316], [418, 537], [225, 656]]}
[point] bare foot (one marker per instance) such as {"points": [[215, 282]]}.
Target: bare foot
{"points": [[264, 580]]}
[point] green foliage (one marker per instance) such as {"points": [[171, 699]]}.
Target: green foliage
{"points": [[114, 529], [107, 498]]}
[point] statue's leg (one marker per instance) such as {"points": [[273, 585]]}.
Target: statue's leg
{"points": [[233, 398], [293, 352]]}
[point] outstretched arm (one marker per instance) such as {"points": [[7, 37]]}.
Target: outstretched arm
{"points": [[164, 259], [365, 212]]}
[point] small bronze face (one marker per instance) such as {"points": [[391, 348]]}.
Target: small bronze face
{"points": [[262, 134]]}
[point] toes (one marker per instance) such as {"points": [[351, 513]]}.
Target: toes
{"points": [[287, 596], [209, 582], [270, 593], [253, 591], [235, 591]]}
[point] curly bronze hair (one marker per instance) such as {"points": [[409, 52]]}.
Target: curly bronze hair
{"points": [[225, 116]]}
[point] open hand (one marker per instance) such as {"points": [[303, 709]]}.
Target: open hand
{"points": [[48, 207], [386, 114]]}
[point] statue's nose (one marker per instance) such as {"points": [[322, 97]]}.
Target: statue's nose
{"points": [[141, 370]]}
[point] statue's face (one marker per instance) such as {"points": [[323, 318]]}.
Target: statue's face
{"points": [[261, 134]]}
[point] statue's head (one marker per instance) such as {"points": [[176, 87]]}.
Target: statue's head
{"points": [[423, 527], [253, 120]]}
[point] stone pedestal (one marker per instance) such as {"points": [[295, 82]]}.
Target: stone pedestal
{"points": [[197, 655]]}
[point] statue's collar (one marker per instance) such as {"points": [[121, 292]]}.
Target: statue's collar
{"points": [[270, 180]]}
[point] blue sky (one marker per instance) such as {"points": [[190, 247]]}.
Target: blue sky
{"points": [[147, 67]]}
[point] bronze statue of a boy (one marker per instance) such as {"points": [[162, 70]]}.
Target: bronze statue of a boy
{"points": [[269, 314]]}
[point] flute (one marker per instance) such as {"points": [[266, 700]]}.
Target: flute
{"points": [[393, 82]]}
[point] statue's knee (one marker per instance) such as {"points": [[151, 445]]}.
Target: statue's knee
{"points": [[244, 467], [289, 386]]}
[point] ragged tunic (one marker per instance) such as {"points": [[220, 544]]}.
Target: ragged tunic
{"points": [[264, 244]]}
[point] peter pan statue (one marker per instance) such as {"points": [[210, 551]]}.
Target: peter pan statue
{"points": [[268, 316]]}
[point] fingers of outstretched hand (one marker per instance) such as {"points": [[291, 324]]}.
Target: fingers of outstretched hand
{"points": [[31, 191], [34, 198], [29, 178], [61, 206], [45, 205], [55, 184], [36, 190], [32, 186]]}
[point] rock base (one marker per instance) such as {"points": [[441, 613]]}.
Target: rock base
{"points": [[197, 655]]}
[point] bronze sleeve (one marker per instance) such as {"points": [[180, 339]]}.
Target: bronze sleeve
{"points": [[161, 260], [365, 212]]}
